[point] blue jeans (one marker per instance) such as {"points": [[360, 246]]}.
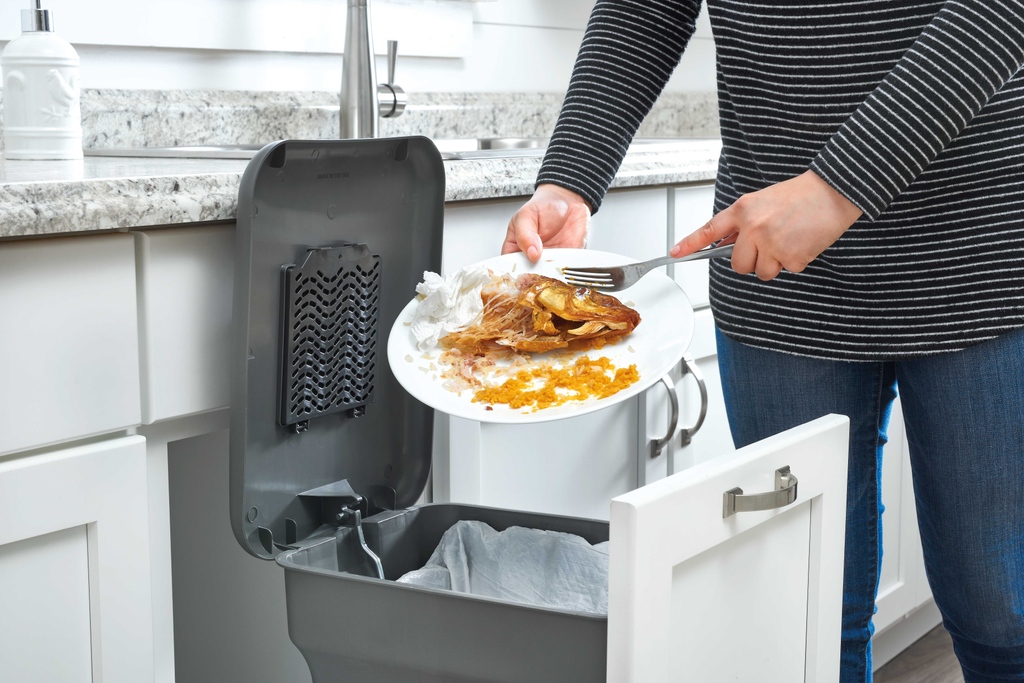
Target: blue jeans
{"points": [[964, 415]]}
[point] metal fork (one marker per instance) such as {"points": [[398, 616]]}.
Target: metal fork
{"points": [[615, 278]]}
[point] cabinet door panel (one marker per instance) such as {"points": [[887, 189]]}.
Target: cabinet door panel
{"points": [[692, 207], [474, 231], [567, 467], [630, 222], [44, 599], [695, 595], [185, 283], [714, 438], [633, 223], [86, 509], [69, 345]]}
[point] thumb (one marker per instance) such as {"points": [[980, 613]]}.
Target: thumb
{"points": [[523, 228], [530, 244]]}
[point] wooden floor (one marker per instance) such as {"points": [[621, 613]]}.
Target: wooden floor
{"points": [[929, 660]]}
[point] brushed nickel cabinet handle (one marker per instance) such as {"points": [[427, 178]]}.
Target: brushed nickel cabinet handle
{"points": [[734, 500], [658, 445], [689, 366]]}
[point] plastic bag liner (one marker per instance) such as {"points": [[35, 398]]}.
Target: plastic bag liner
{"points": [[533, 566]]}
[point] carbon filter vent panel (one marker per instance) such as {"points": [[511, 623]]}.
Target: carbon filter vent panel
{"points": [[329, 333]]}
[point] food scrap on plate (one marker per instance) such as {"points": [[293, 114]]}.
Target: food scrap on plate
{"points": [[488, 326]]}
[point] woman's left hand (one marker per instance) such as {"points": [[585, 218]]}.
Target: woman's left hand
{"points": [[782, 227]]}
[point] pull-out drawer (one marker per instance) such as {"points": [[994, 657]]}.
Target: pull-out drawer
{"points": [[732, 570]]}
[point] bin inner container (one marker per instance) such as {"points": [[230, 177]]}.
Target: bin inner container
{"points": [[405, 539]]}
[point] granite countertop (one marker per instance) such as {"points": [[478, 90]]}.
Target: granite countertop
{"points": [[39, 198]]}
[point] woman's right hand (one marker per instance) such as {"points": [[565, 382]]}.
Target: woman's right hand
{"points": [[553, 217]]}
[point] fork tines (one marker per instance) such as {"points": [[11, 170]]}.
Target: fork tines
{"points": [[583, 277]]}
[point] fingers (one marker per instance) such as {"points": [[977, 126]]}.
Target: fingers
{"points": [[522, 235], [718, 228], [553, 217], [767, 269]]}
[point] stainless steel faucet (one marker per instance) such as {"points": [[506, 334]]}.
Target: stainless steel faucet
{"points": [[363, 100]]}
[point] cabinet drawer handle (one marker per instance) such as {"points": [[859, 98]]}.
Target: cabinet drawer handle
{"points": [[657, 445], [734, 500], [689, 366]]}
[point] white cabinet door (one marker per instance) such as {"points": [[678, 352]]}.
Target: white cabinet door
{"points": [[69, 344], [630, 222], [633, 223], [566, 467], [695, 595], [75, 598], [474, 231], [713, 439], [185, 283], [691, 208]]}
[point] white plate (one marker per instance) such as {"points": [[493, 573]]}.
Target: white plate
{"points": [[658, 342]]}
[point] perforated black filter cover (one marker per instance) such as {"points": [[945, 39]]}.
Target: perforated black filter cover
{"points": [[309, 199], [329, 332]]}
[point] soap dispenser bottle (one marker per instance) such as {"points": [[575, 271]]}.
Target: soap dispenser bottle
{"points": [[41, 105]]}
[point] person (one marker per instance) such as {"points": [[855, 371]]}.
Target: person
{"points": [[871, 179]]}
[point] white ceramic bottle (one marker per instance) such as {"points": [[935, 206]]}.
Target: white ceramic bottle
{"points": [[42, 111]]}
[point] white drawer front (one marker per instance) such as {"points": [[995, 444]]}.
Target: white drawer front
{"points": [[69, 345], [185, 289], [696, 595]]}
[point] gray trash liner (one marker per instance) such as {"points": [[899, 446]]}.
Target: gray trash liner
{"points": [[332, 237]]}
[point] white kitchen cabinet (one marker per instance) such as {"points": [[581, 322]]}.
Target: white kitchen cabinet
{"points": [[75, 565], [630, 222], [572, 466], [691, 207], [699, 591], [185, 280], [69, 347], [713, 439], [633, 223]]}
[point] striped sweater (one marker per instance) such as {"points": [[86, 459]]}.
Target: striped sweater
{"points": [[913, 110]]}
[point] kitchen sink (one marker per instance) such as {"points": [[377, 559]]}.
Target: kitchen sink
{"points": [[458, 148]]}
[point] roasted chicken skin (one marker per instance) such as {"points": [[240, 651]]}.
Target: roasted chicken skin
{"points": [[535, 313]]}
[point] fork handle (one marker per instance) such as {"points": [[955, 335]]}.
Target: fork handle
{"points": [[709, 252]]}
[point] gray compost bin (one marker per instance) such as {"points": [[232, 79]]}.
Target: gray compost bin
{"points": [[328, 452]]}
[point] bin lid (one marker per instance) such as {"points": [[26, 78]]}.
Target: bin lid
{"points": [[332, 237]]}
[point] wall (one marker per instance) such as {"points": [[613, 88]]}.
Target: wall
{"points": [[444, 45]]}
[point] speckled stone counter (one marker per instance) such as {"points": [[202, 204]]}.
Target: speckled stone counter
{"points": [[39, 198], [150, 118]]}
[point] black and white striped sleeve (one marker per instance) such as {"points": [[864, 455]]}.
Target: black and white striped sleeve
{"points": [[628, 53], [965, 55]]}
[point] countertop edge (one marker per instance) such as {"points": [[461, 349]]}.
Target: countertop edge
{"points": [[141, 197]]}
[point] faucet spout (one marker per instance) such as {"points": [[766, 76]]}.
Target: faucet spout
{"points": [[359, 108], [363, 100]]}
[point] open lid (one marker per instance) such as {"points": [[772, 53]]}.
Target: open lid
{"points": [[332, 238]]}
